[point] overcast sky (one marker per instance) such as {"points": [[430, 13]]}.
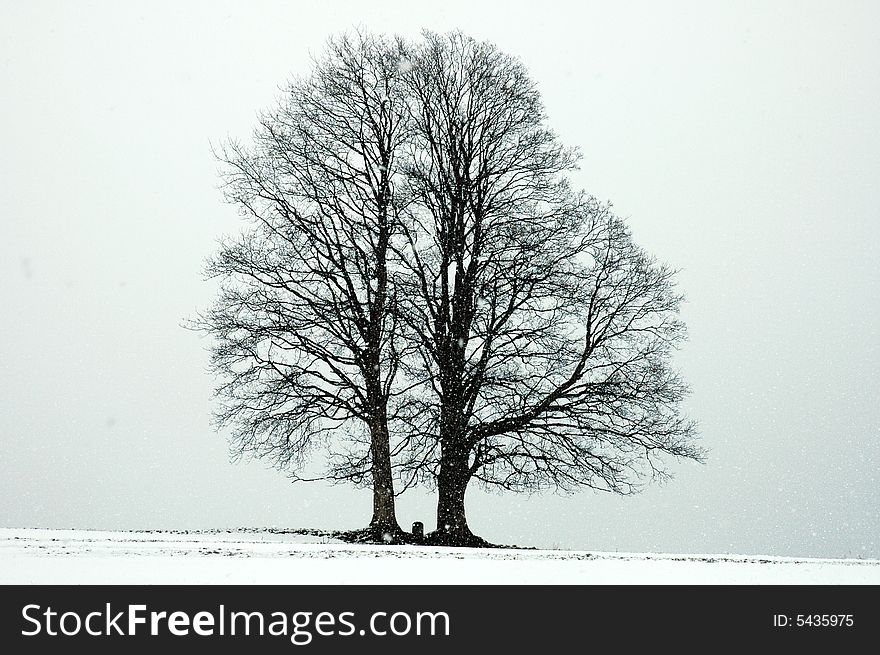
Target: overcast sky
{"points": [[740, 139]]}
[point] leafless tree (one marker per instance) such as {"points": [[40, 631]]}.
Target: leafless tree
{"points": [[305, 334], [542, 333], [421, 291]]}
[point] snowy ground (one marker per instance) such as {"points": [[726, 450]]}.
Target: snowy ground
{"points": [[35, 556]]}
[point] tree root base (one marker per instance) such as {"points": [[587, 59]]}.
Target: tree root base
{"points": [[392, 536], [399, 537], [456, 539]]}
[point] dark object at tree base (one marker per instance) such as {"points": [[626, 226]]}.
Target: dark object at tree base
{"points": [[418, 531]]}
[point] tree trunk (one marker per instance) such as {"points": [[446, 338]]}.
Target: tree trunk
{"points": [[384, 524], [452, 481], [451, 487]]}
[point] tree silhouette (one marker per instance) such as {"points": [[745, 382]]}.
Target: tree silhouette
{"points": [[543, 333], [422, 291], [304, 328]]}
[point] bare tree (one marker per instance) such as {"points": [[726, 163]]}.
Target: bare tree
{"points": [[421, 291], [305, 338], [542, 332]]}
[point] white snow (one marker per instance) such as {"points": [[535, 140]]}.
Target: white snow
{"points": [[36, 556]]}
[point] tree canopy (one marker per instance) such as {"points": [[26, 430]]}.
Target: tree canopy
{"points": [[423, 293]]}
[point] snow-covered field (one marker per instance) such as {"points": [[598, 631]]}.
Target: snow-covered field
{"points": [[36, 556]]}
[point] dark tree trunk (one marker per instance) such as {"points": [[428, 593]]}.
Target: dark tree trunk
{"points": [[383, 525], [452, 481], [451, 487]]}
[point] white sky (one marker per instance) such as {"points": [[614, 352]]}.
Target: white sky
{"points": [[741, 139]]}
